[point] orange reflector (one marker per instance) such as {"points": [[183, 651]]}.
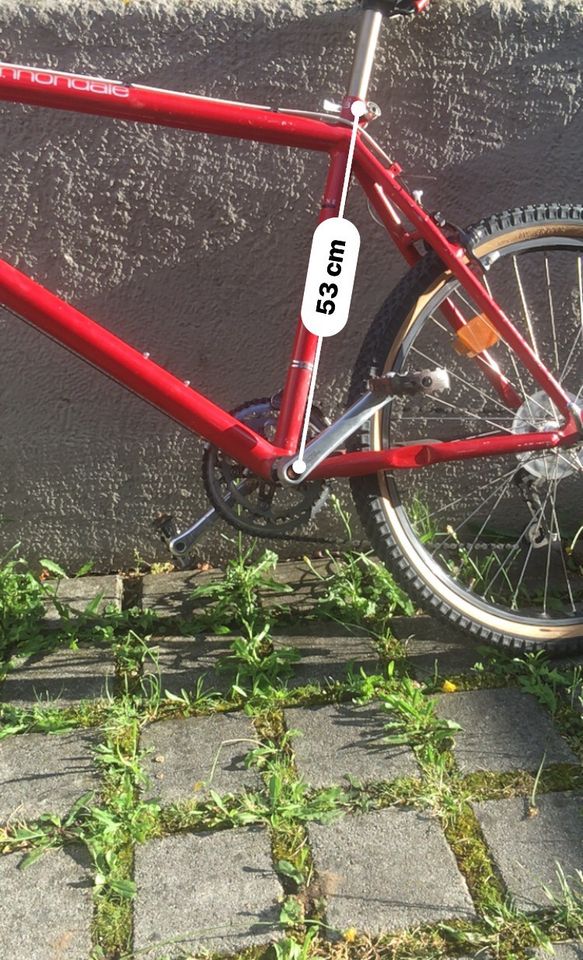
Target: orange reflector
{"points": [[476, 335]]}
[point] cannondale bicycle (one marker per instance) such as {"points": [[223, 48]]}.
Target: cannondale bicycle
{"points": [[462, 435]]}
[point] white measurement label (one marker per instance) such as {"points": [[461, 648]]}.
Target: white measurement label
{"points": [[330, 279]]}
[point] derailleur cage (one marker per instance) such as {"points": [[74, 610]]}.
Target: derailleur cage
{"points": [[529, 488]]}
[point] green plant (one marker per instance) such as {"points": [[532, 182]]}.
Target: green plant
{"points": [[49, 566], [290, 799], [359, 590], [42, 718], [567, 904], [477, 570], [258, 667], [532, 804], [414, 719], [237, 600], [291, 948], [103, 831], [533, 673], [21, 604]]}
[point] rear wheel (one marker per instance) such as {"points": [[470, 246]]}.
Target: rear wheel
{"points": [[494, 544]]}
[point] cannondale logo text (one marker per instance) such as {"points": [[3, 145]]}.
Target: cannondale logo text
{"points": [[62, 81]]}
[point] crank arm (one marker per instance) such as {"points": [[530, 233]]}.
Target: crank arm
{"points": [[181, 544], [382, 391], [332, 437]]}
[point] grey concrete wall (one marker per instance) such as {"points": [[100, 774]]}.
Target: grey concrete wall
{"points": [[195, 248]]}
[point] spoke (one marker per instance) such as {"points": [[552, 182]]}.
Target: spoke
{"points": [[552, 312], [512, 553], [571, 460], [489, 483], [521, 578], [567, 368], [474, 416], [487, 520], [555, 524], [552, 486], [439, 324], [508, 349], [495, 365], [563, 562], [525, 308], [465, 301], [485, 537], [516, 370], [532, 399], [453, 535]]}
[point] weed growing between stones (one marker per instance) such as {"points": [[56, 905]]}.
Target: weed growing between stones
{"points": [[237, 602], [46, 718], [567, 905], [21, 604], [413, 718], [486, 785], [357, 589]]}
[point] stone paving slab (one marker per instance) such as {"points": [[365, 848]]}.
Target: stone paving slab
{"points": [[182, 661], [168, 594], [187, 753], [216, 892], [388, 870], [45, 773], [562, 951], [47, 909], [502, 730], [342, 739], [64, 678], [78, 593], [306, 583], [526, 849], [431, 645], [326, 652]]}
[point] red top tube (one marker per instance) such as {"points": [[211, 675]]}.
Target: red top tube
{"points": [[129, 101]]}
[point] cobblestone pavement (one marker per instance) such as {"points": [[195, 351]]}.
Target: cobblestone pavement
{"points": [[227, 804]]}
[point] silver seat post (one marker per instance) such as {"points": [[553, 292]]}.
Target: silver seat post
{"points": [[364, 54]]}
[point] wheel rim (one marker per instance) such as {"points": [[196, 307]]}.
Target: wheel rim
{"points": [[469, 529]]}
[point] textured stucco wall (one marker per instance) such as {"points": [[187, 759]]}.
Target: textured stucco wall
{"points": [[195, 248]]}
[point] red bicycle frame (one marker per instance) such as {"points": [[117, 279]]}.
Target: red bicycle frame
{"points": [[136, 371]]}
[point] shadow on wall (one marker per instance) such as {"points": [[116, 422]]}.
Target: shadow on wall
{"points": [[195, 248]]}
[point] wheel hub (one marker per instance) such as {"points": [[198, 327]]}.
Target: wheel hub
{"points": [[538, 414]]}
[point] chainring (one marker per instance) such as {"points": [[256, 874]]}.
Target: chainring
{"points": [[262, 508]]}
